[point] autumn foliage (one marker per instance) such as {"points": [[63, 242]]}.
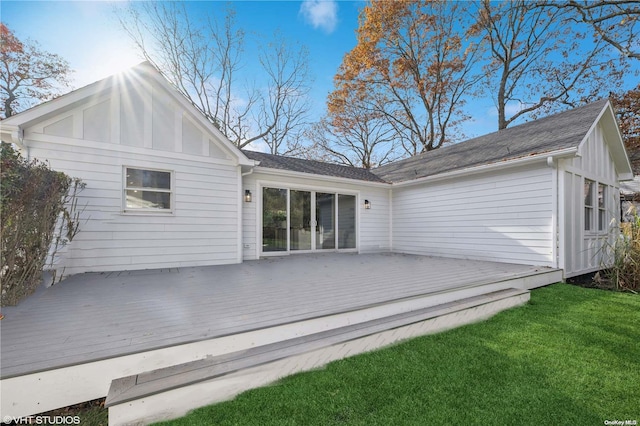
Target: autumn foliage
{"points": [[29, 75], [412, 66], [627, 107]]}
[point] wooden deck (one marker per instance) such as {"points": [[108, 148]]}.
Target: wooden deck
{"points": [[100, 316]]}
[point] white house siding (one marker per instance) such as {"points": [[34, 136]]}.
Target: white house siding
{"points": [[373, 224], [504, 216], [587, 251], [145, 128]]}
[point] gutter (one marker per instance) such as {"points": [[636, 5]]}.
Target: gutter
{"points": [[15, 135], [548, 157]]}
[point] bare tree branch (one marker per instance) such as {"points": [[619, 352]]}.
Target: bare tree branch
{"points": [[204, 61]]}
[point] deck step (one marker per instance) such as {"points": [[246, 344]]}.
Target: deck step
{"points": [[127, 391]]}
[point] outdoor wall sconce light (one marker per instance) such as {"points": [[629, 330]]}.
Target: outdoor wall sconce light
{"points": [[247, 196], [367, 204]]}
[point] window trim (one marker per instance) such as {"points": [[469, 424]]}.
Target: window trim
{"points": [[589, 222], [595, 209], [142, 210], [601, 207]]}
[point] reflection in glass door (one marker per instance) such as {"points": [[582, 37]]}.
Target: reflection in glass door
{"points": [[300, 220], [274, 219], [346, 221], [325, 213]]}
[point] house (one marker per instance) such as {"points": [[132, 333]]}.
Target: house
{"points": [[164, 188], [630, 199]]}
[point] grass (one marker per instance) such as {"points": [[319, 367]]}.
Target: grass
{"points": [[570, 356]]}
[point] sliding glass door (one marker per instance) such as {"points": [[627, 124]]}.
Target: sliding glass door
{"points": [[300, 223], [346, 221], [325, 212], [296, 220], [274, 219]]}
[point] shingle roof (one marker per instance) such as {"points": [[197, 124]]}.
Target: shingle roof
{"points": [[556, 132], [311, 166], [630, 187], [559, 131]]}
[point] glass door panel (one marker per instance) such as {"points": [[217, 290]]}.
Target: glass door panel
{"points": [[274, 219], [325, 213], [300, 220], [346, 221]]}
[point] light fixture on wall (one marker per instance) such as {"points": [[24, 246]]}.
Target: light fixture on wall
{"points": [[367, 204], [247, 196]]}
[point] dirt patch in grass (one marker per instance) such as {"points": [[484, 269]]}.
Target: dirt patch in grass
{"points": [[593, 280], [90, 413]]}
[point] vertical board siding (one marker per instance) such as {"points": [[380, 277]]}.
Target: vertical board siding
{"points": [[589, 251], [373, 224], [505, 217]]}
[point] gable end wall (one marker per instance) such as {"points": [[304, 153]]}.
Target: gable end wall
{"points": [[142, 127], [584, 251]]}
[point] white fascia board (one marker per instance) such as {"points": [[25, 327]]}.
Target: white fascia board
{"points": [[610, 126], [568, 152], [300, 175]]}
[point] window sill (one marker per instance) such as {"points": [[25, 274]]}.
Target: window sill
{"points": [[146, 213]]}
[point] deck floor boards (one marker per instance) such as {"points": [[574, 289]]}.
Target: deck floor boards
{"points": [[92, 316]]}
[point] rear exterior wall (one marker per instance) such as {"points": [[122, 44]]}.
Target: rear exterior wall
{"points": [[504, 216], [373, 230]]}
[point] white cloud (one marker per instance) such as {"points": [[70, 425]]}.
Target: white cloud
{"points": [[321, 14]]}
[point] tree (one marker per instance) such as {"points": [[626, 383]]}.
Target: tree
{"points": [[367, 143], [283, 114], [411, 66], [353, 134], [627, 107], [614, 21], [203, 58], [29, 75], [539, 60]]}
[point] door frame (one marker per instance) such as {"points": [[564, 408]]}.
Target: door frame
{"points": [[261, 184]]}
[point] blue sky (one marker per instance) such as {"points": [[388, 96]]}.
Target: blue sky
{"points": [[88, 35]]}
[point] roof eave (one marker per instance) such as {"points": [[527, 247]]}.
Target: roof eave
{"points": [[567, 152], [328, 178], [12, 133], [616, 146]]}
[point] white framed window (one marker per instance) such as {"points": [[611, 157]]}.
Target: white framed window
{"points": [[595, 206], [589, 189], [147, 190], [602, 211]]}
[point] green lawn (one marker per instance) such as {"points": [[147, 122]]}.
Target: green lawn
{"points": [[570, 356]]}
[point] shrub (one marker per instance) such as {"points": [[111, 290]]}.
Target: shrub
{"points": [[33, 200], [624, 274]]}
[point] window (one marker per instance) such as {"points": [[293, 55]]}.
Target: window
{"points": [[602, 212], [595, 206], [147, 190], [588, 204]]}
